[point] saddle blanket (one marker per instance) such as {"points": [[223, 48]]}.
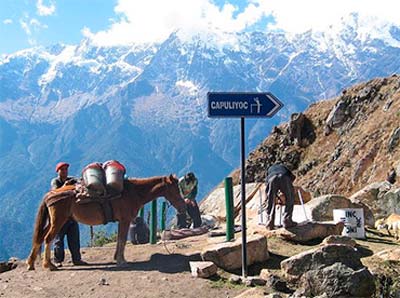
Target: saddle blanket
{"points": [[183, 233]]}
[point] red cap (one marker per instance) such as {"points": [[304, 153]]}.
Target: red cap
{"points": [[60, 165]]}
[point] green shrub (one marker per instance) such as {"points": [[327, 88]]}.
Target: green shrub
{"points": [[100, 238]]}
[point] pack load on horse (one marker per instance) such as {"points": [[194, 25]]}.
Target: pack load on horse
{"points": [[94, 179], [101, 183], [53, 213], [102, 179], [114, 172]]}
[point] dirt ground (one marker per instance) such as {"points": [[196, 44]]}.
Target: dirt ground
{"points": [[160, 270]]}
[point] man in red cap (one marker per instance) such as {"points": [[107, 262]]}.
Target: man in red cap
{"points": [[62, 170], [70, 228]]}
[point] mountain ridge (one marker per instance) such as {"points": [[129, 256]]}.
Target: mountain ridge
{"points": [[153, 117]]}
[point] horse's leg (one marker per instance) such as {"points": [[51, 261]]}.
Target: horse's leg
{"points": [[36, 250], [57, 220], [118, 247], [123, 228], [32, 257]]}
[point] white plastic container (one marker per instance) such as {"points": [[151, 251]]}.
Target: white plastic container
{"points": [[353, 219], [114, 172], [94, 178]]}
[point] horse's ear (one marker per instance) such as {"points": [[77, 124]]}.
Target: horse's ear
{"points": [[170, 178]]}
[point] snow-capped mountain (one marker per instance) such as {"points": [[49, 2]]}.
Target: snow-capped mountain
{"points": [[146, 105]]}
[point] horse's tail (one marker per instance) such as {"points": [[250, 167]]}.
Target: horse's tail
{"points": [[40, 223]]}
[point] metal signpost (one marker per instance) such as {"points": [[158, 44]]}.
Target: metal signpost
{"points": [[242, 104]]}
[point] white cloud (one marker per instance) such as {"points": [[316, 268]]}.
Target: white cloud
{"points": [[154, 20], [7, 21], [31, 26], [300, 16], [44, 10], [25, 26]]}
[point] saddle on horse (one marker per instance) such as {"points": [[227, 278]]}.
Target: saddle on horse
{"points": [[99, 184], [81, 195]]}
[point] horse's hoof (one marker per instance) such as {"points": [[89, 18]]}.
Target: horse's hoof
{"points": [[50, 266], [30, 267]]}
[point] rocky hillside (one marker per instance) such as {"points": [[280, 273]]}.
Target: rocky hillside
{"points": [[339, 145]]}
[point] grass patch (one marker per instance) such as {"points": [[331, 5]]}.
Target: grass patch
{"points": [[222, 282]]}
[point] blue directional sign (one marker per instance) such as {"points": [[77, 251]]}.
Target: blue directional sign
{"points": [[245, 104]]}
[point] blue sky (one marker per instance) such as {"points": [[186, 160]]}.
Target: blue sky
{"points": [[28, 23], [63, 25]]}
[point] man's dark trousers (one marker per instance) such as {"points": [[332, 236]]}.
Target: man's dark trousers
{"points": [[71, 229], [284, 184], [194, 214]]}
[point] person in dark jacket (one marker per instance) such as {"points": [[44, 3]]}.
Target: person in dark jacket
{"points": [[139, 231], [70, 228], [188, 188], [279, 177]]}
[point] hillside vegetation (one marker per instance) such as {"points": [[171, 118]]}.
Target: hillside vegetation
{"points": [[339, 145]]}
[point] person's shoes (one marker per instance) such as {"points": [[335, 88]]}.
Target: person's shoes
{"points": [[80, 263], [58, 264], [289, 224]]}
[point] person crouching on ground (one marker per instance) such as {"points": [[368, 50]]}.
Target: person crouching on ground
{"points": [[70, 228], [279, 177], [188, 188]]}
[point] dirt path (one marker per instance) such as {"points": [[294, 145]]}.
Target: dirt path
{"points": [[160, 270], [153, 271]]}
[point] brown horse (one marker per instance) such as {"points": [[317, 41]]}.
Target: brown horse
{"points": [[137, 192]]}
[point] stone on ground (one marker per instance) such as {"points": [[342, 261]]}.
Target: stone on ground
{"points": [[321, 208], [338, 280], [228, 255], [203, 269], [334, 270], [382, 197], [295, 266], [304, 232], [339, 239]]}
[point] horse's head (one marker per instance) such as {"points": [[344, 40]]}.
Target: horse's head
{"points": [[172, 193]]}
